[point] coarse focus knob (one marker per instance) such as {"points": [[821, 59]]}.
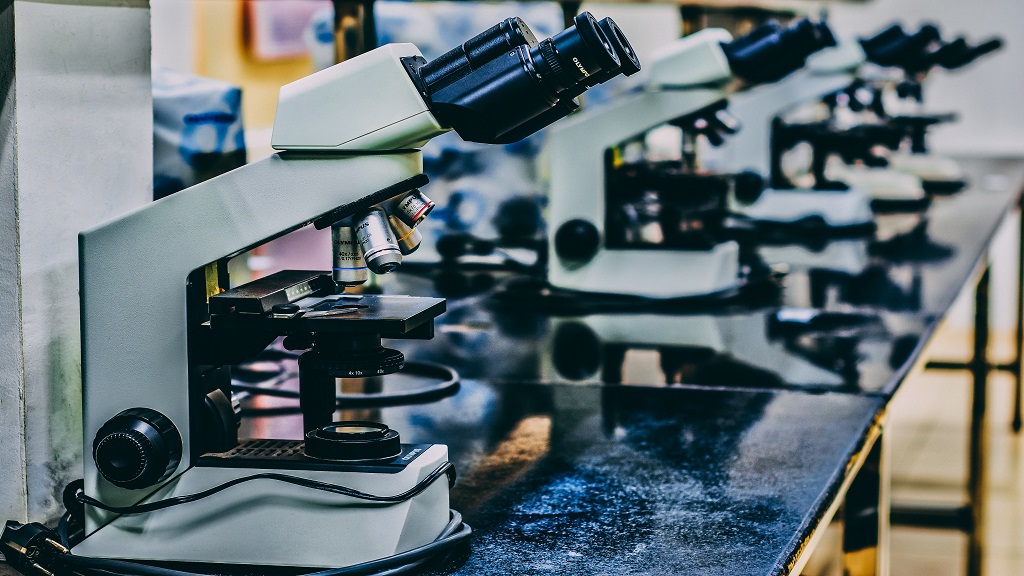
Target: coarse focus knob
{"points": [[137, 448], [577, 241], [748, 186]]}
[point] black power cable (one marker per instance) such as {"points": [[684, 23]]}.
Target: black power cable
{"points": [[444, 469], [52, 548], [449, 385], [455, 532]]}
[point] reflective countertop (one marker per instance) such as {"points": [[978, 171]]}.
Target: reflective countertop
{"points": [[705, 442], [888, 291], [582, 479]]}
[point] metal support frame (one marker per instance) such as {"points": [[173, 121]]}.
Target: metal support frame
{"points": [[1017, 365], [866, 516], [861, 510], [968, 518]]}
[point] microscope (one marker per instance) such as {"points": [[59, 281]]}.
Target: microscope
{"points": [[788, 209], [835, 79], [167, 479], [806, 110], [857, 145], [890, 91], [622, 223]]}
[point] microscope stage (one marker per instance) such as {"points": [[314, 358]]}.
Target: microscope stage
{"points": [[291, 302]]}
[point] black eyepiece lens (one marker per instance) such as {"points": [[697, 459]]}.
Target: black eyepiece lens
{"points": [[503, 85], [770, 52], [497, 40], [583, 49], [628, 60]]}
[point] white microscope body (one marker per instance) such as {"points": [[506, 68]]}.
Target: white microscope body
{"points": [[156, 312], [827, 72], [895, 182], [688, 75], [137, 354]]}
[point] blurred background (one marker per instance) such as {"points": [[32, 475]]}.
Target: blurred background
{"points": [[257, 46], [215, 67]]}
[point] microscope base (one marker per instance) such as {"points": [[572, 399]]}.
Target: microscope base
{"points": [[883, 185], [847, 256], [811, 209], [655, 273], [938, 174], [271, 523]]}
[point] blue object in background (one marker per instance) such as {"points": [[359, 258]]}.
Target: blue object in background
{"points": [[197, 130]]}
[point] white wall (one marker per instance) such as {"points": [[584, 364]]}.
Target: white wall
{"points": [[173, 32], [986, 93], [82, 154], [13, 503]]}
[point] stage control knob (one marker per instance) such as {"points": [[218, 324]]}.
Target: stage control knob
{"points": [[137, 448]]}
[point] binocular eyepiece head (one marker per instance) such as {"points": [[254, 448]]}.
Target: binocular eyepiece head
{"points": [[923, 50], [960, 53], [771, 52], [503, 84]]}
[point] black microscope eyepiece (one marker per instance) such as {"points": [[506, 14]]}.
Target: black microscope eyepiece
{"points": [[960, 53], [628, 60], [895, 47], [503, 84], [580, 50], [772, 52], [477, 51]]}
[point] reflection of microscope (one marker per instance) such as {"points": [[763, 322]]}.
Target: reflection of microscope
{"points": [[162, 325], [603, 239], [707, 350], [848, 255]]}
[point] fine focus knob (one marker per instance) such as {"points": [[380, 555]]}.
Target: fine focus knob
{"points": [[353, 441], [577, 241], [137, 448]]}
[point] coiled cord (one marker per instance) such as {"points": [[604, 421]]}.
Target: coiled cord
{"points": [[448, 386]]}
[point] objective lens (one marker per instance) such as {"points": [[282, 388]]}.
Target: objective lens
{"points": [[377, 243], [349, 266], [408, 238], [413, 208]]}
